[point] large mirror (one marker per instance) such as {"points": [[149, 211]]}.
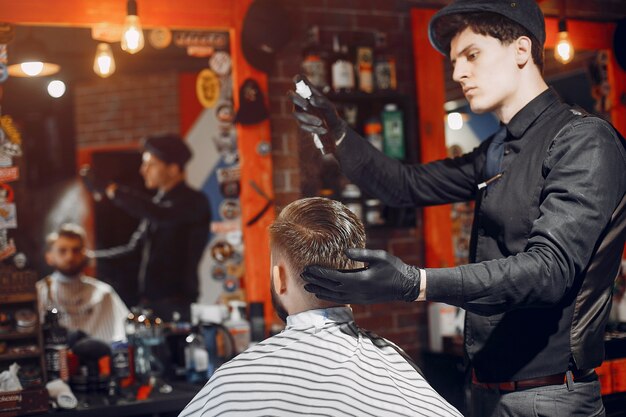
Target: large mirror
{"points": [[180, 82]]}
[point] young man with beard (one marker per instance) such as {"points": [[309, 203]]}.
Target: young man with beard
{"points": [[549, 221], [322, 363], [83, 303]]}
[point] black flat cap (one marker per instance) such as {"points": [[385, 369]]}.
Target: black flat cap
{"points": [[523, 12], [169, 148]]}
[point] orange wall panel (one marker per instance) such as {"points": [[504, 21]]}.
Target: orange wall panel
{"points": [[430, 93]]}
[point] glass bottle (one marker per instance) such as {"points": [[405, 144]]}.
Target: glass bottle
{"points": [[342, 68], [384, 65], [373, 133], [238, 326], [196, 357], [314, 61], [55, 346], [393, 132], [365, 68]]}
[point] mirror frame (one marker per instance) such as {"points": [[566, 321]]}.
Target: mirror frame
{"points": [[192, 15]]}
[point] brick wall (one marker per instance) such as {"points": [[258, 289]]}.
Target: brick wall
{"points": [[123, 108], [296, 160]]}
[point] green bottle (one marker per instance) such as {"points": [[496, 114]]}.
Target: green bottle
{"points": [[393, 132]]}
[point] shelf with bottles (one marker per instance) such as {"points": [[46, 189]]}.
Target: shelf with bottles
{"points": [[21, 342], [20, 337], [364, 67], [20, 331], [384, 120], [358, 74], [386, 123], [371, 211]]}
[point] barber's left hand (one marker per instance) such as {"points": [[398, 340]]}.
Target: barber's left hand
{"points": [[386, 278]]}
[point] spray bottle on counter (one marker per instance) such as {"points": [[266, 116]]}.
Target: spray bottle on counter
{"points": [[196, 357], [56, 347], [238, 326]]}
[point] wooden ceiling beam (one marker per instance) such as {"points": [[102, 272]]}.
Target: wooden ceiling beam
{"points": [[173, 14]]}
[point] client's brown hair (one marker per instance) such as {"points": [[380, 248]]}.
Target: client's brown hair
{"points": [[316, 231], [67, 230]]}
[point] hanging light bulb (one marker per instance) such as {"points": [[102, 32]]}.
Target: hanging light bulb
{"points": [[132, 34], [32, 68], [30, 59], [564, 50], [104, 63]]}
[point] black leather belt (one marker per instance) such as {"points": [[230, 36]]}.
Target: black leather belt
{"points": [[557, 379]]}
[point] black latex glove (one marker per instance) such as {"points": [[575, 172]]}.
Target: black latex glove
{"points": [[317, 114], [386, 278], [92, 184]]}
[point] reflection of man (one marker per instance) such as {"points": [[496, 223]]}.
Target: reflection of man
{"points": [[84, 303], [322, 363], [174, 228], [549, 221]]}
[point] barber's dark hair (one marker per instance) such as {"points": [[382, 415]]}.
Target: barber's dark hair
{"points": [[68, 230], [316, 231], [487, 24]]}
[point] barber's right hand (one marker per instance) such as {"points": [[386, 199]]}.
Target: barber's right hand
{"points": [[386, 278], [317, 114], [92, 184]]}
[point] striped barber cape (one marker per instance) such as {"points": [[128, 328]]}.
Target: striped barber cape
{"points": [[84, 303], [322, 364]]}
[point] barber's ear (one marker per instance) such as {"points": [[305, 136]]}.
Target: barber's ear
{"points": [[523, 50], [280, 279], [174, 169]]}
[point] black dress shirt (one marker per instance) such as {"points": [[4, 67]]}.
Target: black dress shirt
{"points": [[546, 241], [171, 239]]}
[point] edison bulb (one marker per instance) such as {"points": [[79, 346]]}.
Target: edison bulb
{"points": [[132, 35], [564, 50], [104, 62]]}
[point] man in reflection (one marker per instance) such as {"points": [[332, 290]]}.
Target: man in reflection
{"points": [[173, 232], [549, 218], [322, 363], [83, 303]]}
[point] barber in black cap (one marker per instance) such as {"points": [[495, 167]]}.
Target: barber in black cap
{"points": [[173, 231], [549, 219]]}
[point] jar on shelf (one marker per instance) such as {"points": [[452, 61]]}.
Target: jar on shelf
{"points": [[25, 321]]}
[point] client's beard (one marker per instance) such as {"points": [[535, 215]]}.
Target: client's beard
{"points": [[75, 270], [277, 304]]}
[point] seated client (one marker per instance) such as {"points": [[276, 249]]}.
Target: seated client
{"points": [[322, 363], [83, 303]]}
